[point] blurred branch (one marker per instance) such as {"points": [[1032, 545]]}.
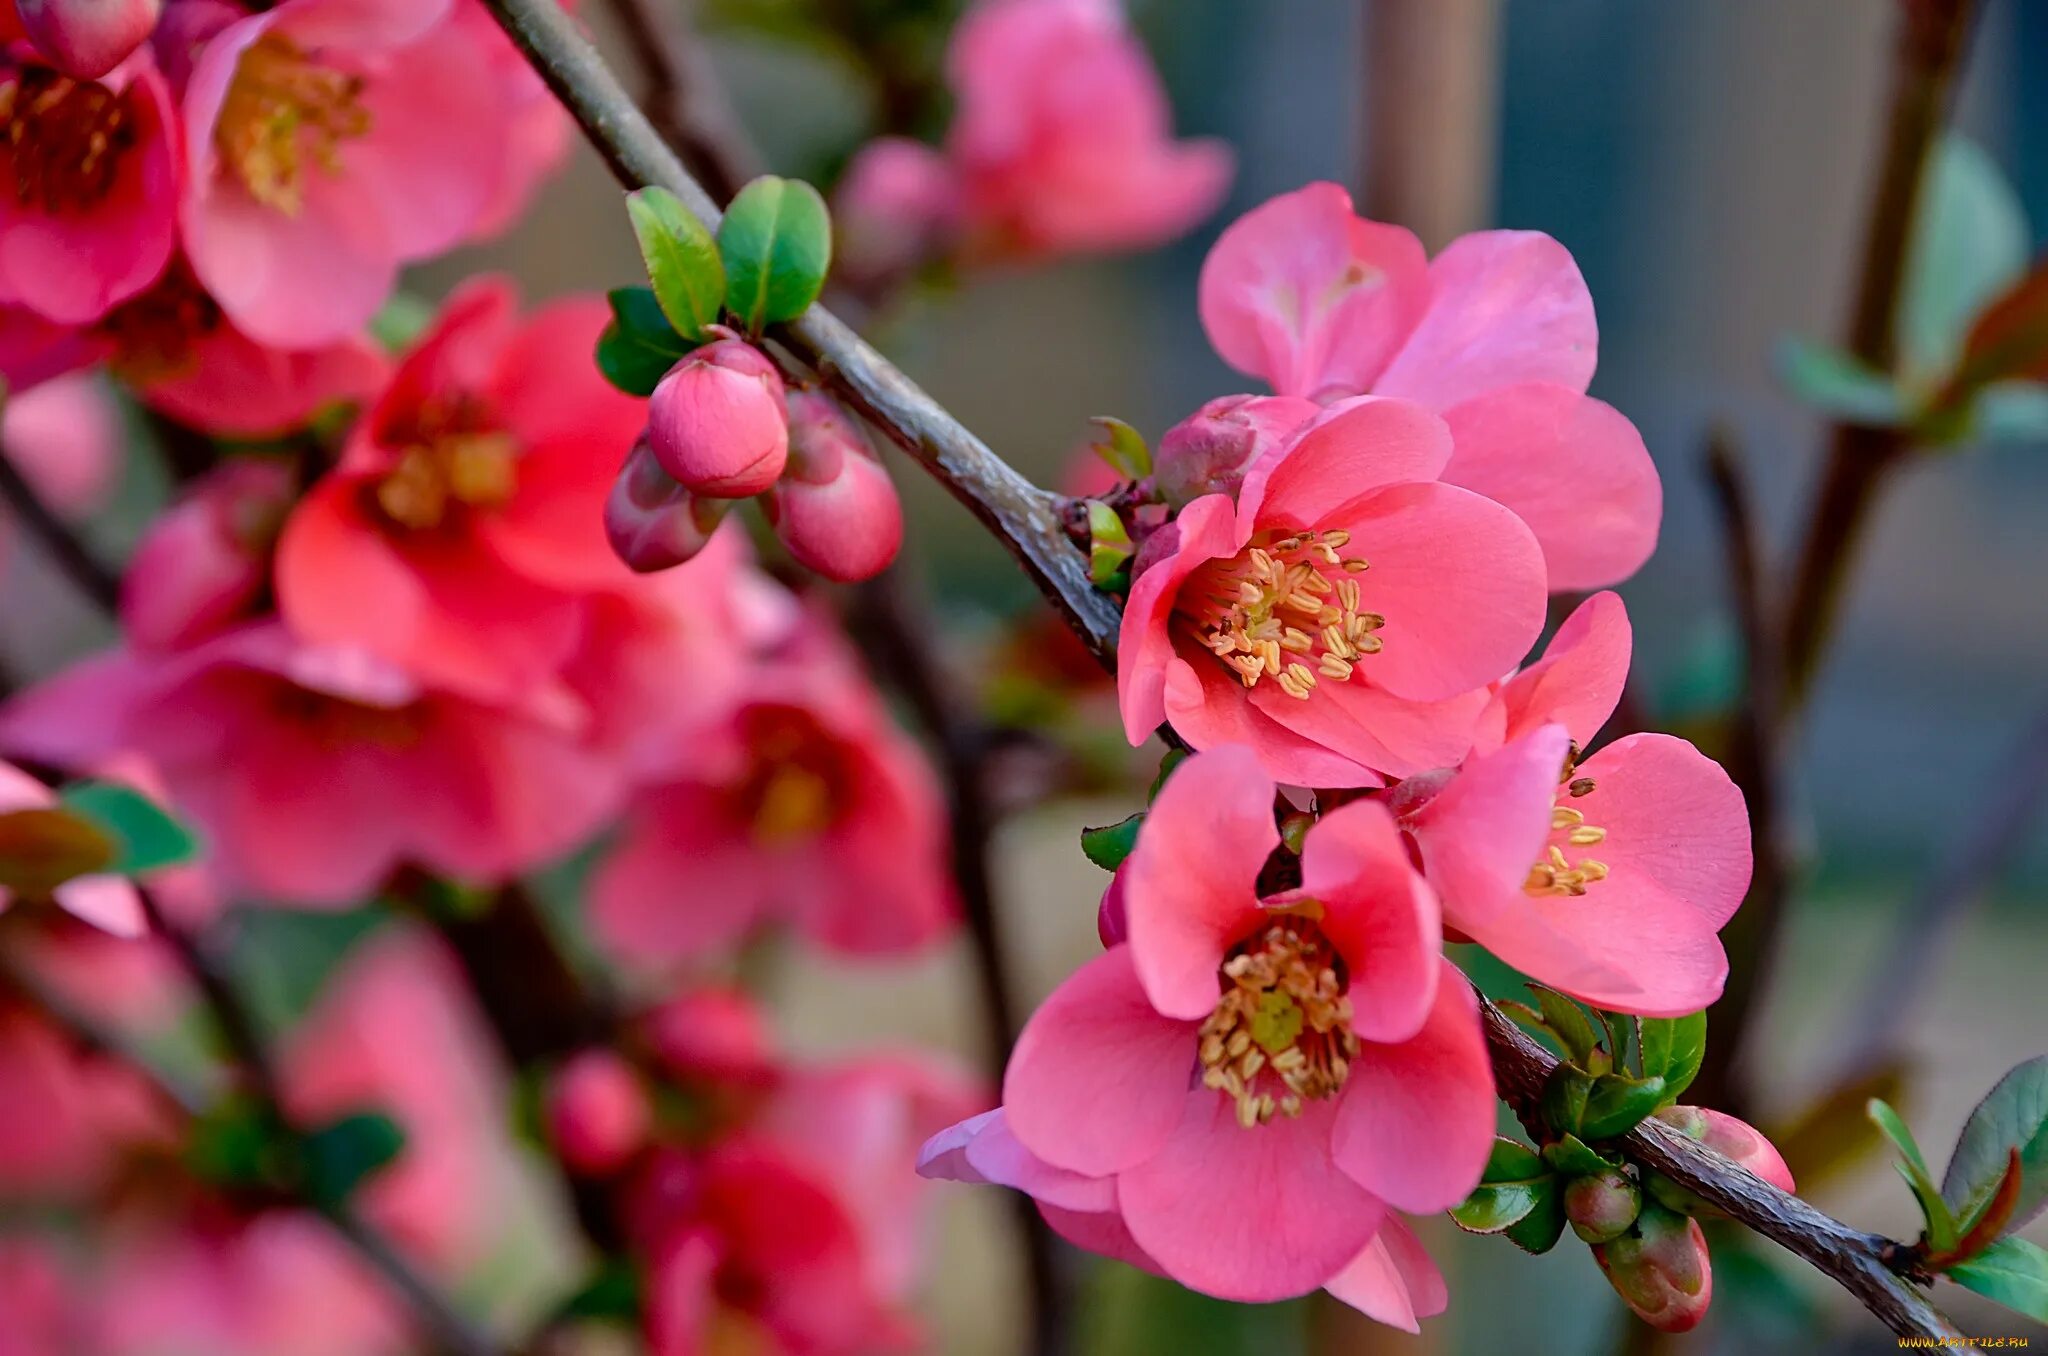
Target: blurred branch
{"points": [[1860, 1263], [94, 1038], [682, 99], [70, 555], [1430, 99]]}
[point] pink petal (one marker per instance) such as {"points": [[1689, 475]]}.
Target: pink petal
{"points": [[1098, 1079], [1573, 468], [1352, 449], [1580, 678], [683, 882], [1310, 297], [108, 903], [982, 1149], [1373, 727], [1504, 307], [1459, 580], [1249, 1214], [1206, 530], [338, 579], [1480, 834], [1677, 827], [1394, 1280], [1101, 1232], [1606, 948], [1209, 707], [1217, 809], [1415, 1122], [1382, 916]]}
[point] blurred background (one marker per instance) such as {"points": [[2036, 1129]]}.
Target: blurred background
{"points": [[1709, 165]]}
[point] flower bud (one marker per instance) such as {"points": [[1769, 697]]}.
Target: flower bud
{"points": [[836, 509], [205, 560], [1111, 923], [652, 522], [1210, 450], [1660, 1269], [896, 203], [87, 38], [1602, 1206], [1733, 1139], [598, 1115], [716, 421], [715, 1034]]}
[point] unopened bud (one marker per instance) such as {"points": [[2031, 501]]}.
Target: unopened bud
{"points": [[87, 38], [1660, 1269], [716, 421], [597, 1113], [1112, 924], [1733, 1139], [205, 560], [1602, 1206], [713, 1034], [652, 522], [1210, 451], [836, 510]]}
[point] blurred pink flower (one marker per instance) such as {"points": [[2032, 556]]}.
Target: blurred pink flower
{"points": [[395, 1032], [465, 522], [407, 773], [89, 182], [1341, 1074], [107, 902], [1343, 616], [1497, 333], [205, 561], [87, 38], [44, 1304], [714, 1035], [1062, 139], [895, 206], [598, 1112], [88, 1111]]}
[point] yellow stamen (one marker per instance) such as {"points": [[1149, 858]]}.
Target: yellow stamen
{"points": [[1280, 1033], [1256, 612], [282, 109]]}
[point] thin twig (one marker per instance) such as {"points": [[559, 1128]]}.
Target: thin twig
{"points": [[687, 106], [93, 579]]}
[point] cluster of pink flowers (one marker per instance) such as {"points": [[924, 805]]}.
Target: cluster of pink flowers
{"points": [[1272, 1060]]}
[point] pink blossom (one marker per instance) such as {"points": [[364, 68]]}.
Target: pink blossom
{"points": [[1608, 876], [598, 1114], [896, 204], [714, 1034], [205, 561], [805, 805], [716, 422], [1497, 333], [407, 773], [1343, 616], [395, 1032], [107, 902], [89, 183], [332, 141], [1258, 1140], [89, 1112], [464, 525], [1062, 139], [835, 508], [87, 38], [43, 1302]]}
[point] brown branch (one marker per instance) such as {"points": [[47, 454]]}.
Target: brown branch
{"points": [[1857, 1261], [64, 548]]}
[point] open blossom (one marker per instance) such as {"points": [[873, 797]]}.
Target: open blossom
{"points": [[1343, 616], [463, 527], [332, 141], [1062, 140], [803, 804], [1607, 877], [1497, 333], [90, 173], [1253, 1082], [406, 773], [107, 902]]}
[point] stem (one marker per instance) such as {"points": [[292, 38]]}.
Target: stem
{"points": [[79, 565], [685, 105], [1430, 97]]}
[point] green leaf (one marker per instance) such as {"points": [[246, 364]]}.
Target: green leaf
{"points": [[1941, 1223], [1623, 1028], [1494, 1208], [400, 321], [1510, 1161], [1109, 545], [611, 1293], [146, 837], [45, 845], [1563, 1102], [1569, 1021], [2013, 1115], [1123, 447], [1539, 1230], [1839, 386], [2013, 1272], [1108, 846], [1573, 1157], [343, 1154], [639, 346], [1969, 243], [776, 241], [1617, 1102], [1672, 1049], [1168, 762], [682, 260]]}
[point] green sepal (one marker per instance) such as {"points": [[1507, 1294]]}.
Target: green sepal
{"points": [[1123, 447], [1109, 845]]}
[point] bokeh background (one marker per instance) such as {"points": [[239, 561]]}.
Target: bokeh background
{"points": [[1708, 164]]}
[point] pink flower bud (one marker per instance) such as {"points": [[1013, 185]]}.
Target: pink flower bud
{"points": [[597, 1113], [1210, 450], [652, 522], [1112, 924], [1733, 1139], [716, 421], [715, 1034], [1601, 1207], [836, 510], [897, 202], [205, 560], [1661, 1269], [87, 38]]}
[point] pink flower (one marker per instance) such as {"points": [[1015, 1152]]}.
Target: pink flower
{"points": [[1343, 616], [87, 38], [1062, 140], [332, 141], [1258, 1139], [598, 1114], [394, 1032], [896, 204], [464, 525], [205, 561], [89, 1111], [89, 183], [43, 1303], [406, 773], [716, 422], [107, 902], [835, 507], [717, 1035], [1497, 333], [804, 805], [1606, 877]]}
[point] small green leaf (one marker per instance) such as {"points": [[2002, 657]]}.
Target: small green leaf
{"points": [[1941, 1222], [1617, 1102], [1510, 1161], [146, 836], [1171, 760], [1494, 1208], [1969, 243], [1123, 447], [45, 845], [1573, 1157], [343, 1154], [1622, 1028], [1569, 1021], [1539, 1230], [776, 241], [2013, 1272], [1837, 385], [1672, 1049], [639, 346], [1109, 545], [1563, 1103], [1108, 846], [2013, 1115], [682, 260]]}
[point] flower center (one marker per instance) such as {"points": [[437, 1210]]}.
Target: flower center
{"points": [[155, 335], [1555, 873], [338, 724], [282, 109], [64, 139], [1281, 1032], [450, 459], [793, 787], [1284, 609]]}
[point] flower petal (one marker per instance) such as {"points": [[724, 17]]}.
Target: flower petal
{"points": [[1382, 916], [1394, 1280], [1208, 707], [1205, 530], [1353, 448], [1579, 680]]}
